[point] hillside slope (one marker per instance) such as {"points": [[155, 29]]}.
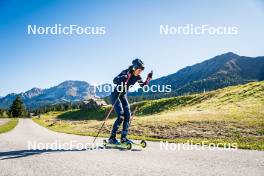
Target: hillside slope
{"points": [[218, 72], [232, 115]]}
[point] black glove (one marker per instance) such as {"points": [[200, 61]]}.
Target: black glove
{"points": [[150, 75]]}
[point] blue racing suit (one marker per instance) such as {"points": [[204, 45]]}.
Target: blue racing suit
{"points": [[119, 96]]}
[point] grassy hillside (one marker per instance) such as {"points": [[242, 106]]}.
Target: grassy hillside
{"points": [[232, 114], [11, 124], [218, 72]]}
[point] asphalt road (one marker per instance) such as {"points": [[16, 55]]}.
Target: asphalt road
{"points": [[17, 159]]}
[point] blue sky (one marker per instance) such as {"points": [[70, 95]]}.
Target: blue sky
{"points": [[132, 30]]}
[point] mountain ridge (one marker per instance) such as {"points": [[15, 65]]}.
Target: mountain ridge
{"points": [[220, 71], [66, 91]]}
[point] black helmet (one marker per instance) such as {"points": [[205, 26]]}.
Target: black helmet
{"points": [[137, 63]]}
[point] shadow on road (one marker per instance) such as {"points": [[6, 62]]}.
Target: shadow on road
{"points": [[26, 153]]}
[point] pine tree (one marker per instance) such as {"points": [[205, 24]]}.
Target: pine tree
{"points": [[17, 109]]}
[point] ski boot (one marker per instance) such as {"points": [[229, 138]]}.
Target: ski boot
{"points": [[113, 140], [125, 140]]}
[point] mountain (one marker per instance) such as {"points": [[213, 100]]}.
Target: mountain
{"points": [[6, 101], [64, 92], [218, 72], [32, 93]]}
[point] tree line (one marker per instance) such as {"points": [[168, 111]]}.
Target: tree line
{"points": [[18, 109]]}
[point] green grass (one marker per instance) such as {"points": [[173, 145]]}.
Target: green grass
{"points": [[233, 114], [84, 115], [8, 126]]}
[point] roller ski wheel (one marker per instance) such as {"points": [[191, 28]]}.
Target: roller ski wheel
{"points": [[129, 146], [143, 144]]}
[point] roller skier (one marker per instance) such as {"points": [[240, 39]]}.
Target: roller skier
{"points": [[123, 81]]}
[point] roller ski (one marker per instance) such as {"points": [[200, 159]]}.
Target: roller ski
{"points": [[142, 143], [125, 144]]}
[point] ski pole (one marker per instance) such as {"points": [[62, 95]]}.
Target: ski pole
{"points": [[133, 114]]}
